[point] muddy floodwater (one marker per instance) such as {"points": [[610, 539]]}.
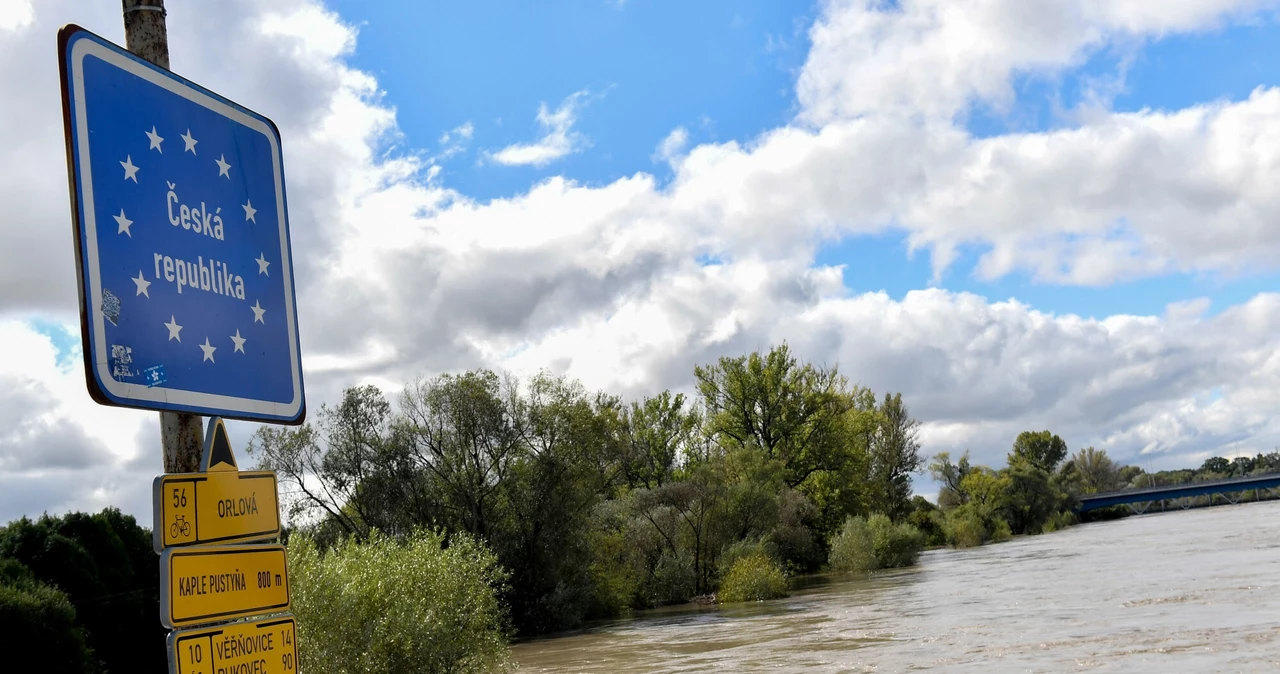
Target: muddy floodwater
{"points": [[1186, 591]]}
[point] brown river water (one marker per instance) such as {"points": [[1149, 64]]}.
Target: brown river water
{"points": [[1185, 591]]}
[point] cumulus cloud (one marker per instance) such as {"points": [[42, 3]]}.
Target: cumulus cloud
{"points": [[936, 57], [558, 138], [399, 275], [59, 450]]}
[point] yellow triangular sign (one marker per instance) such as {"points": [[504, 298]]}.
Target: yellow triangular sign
{"points": [[217, 448]]}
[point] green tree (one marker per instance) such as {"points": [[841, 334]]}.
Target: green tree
{"points": [[105, 566], [655, 431], [1097, 472], [853, 549], [696, 503], [894, 456], [896, 544], [42, 622], [951, 475], [755, 577], [1129, 476], [1265, 464], [1241, 465], [791, 412], [929, 520], [343, 466], [462, 438], [1030, 497], [1216, 464], [427, 604], [1042, 449], [875, 542], [987, 493], [569, 445]]}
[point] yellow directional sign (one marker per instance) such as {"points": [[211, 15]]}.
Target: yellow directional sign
{"points": [[210, 583], [262, 646], [218, 505], [201, 508]]}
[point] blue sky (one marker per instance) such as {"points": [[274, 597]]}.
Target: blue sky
{"points": [[726, 71], [722, 70]]}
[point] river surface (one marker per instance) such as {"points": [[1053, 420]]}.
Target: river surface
{"points": [[1185, 591]]}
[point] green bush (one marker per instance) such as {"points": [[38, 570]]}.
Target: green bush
{"points": [[615, 574], [867, 544], [895, 545], [41, 620], [674, 580], [737, 550], [1001, 532], [853, 549], [385, 606], [1059, 520], [930, 521], [965, 529], [753, 578]]}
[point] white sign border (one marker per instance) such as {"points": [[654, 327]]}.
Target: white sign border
{"points": [[82, 44]]}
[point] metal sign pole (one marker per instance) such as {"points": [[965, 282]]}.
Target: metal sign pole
{"points": [[145, 34]]}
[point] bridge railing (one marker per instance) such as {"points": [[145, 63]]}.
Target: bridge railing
{"points": [[1138, 491]]}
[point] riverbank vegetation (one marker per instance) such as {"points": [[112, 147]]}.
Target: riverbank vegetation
{"points": [[477, 507], [426, 604], [755, 577], [597, 506]]}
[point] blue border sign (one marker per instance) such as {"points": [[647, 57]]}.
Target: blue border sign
{"points": [[182, 241]]}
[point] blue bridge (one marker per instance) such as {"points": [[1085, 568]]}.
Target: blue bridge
{"points": [[1140, 499]]}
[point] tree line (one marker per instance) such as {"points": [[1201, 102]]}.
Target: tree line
{"points": [[597, 506], [519, 507]]}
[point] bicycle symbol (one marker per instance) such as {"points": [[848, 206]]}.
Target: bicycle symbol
{"points": [[180, 526]]}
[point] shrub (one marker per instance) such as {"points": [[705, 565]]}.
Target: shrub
{"points": [[1001, 532], [674, 580], [615, 573], [965, 529], [853, 549], [930, 521], [384, 606], [1059, 520], [753, 578], [737, 550], [894, 545]]}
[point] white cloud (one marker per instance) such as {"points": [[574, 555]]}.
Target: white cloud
{"points": [[935, 57], [454, 142], [558, 139], [15, 14], [58, 449], [457, 134], [672, 146]]}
